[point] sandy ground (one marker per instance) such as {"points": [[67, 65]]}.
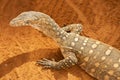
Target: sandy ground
{"points": [[21, 47]]}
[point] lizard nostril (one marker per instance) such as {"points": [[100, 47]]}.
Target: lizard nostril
{"points": [[27, 22], [11, 23]]}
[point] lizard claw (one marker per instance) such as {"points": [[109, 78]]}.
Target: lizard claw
{"points": [[45, 62]]}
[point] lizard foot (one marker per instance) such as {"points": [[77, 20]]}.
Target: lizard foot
{"points": [[46, 63]]}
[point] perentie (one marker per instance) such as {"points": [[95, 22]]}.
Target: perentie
{"points": [[98, 59]]}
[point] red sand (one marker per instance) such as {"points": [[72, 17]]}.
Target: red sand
{"points": [[21, 47]]}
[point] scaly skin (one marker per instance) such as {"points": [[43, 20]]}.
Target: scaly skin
{"points": [[98, 59]]}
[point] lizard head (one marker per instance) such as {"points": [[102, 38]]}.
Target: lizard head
{"points": [[27, 18], [38, 20], [34, 19]]}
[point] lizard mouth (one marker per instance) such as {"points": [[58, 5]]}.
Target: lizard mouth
{"points": [[17, 22], [14, 23]]}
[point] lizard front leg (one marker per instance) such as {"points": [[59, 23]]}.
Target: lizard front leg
{"points": [[70, 59], [75, 28]]}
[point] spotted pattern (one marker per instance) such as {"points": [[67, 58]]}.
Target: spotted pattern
{"points": [[76, 39], [62, 32], [86, 59], [72, 43], [82, 48], [90, 51], [84, 43], [108, 52], [103, 58], [97, 64], [109, 69], [115, 65], [95, 44], [105, 66], [119, 60], [86, 40], [111, 72], [64, 38], [66, 64], [80, 52]]}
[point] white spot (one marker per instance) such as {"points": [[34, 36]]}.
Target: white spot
{"points": [[84, 44], [57, 28], [72, 44], [86, 59], [70, 61], [54, 28], [80, 52], [105, 66], [108, 52], [103, 58], [61, 32], [115, 65], [67, 35], [97, 42], [64, 38], [66, 64], [86, 40], [94, 45], [110, 72], [76, 39], [97, 64], [119, 60], [82, 48], [77, 34], [90, 51], [110, 47]]}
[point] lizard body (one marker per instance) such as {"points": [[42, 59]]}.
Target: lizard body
{"points": [[98, 59]]}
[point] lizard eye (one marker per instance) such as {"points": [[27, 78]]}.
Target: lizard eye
{"points": [[27, 22], [68, 31]]}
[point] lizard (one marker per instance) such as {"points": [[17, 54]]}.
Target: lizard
{"points": [[98, 59]]}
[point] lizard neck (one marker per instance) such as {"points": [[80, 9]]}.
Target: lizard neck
{"points": [[51, 30], [41, 22]]}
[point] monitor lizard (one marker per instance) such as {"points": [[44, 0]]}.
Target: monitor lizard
{"points": [[98, 59]]}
